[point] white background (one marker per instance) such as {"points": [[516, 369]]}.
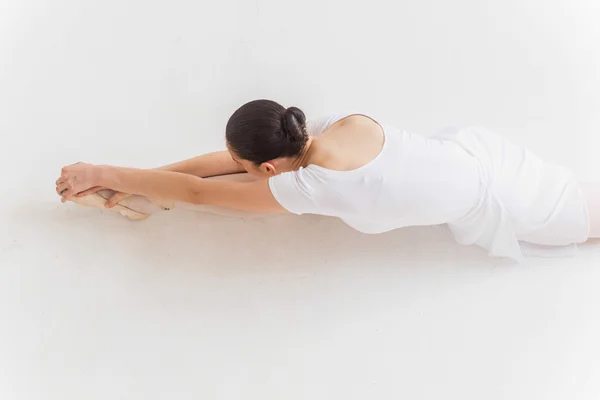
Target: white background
{"points": [[191, 306]]}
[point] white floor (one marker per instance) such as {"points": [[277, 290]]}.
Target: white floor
{"points": [[189, 306]]}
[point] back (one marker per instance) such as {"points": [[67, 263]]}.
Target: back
{"points": [[347, 144], [411, 181]]}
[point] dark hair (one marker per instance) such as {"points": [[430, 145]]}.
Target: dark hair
{"points": [[263, 130]]}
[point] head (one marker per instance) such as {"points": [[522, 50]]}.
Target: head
{"points": [[266, 138]]}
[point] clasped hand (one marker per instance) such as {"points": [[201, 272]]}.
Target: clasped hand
{"points": [[81, 179]]}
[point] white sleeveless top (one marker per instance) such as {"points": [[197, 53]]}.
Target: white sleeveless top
{"points": [[487, 191]]}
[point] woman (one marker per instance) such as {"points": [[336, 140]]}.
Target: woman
{"points": [[374, 177]]}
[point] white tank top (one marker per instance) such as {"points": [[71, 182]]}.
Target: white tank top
{"points": [[412, 181], [487, 191]]}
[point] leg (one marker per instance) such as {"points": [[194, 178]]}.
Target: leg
{"points": [[591, 192], [140, 207]]}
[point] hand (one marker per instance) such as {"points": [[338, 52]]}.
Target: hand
{"points": [[77, 178], [112, 201]]}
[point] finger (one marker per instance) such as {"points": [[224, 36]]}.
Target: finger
{"points": [[115, 198], [66, 195], [60, 189], [89, 191]]}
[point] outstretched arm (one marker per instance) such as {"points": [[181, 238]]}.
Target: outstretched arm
{"points": [[206, 165], [249, 196]]}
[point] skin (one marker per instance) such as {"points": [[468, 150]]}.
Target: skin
{"points": [[348, 144]]}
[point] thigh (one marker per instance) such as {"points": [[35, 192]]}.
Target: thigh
{"points": [[591, 192]]}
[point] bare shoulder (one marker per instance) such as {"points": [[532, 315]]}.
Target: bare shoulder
{"points": [[349, 143], [356, 125], [358, 120]]}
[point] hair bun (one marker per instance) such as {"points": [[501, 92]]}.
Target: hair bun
{"points": [[293, 124]]}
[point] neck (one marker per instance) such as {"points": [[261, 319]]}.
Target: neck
{"points": [[303, 159]]}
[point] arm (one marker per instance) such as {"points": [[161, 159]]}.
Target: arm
{"points": [[211, 164], [207, 165], [249, 196]]}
